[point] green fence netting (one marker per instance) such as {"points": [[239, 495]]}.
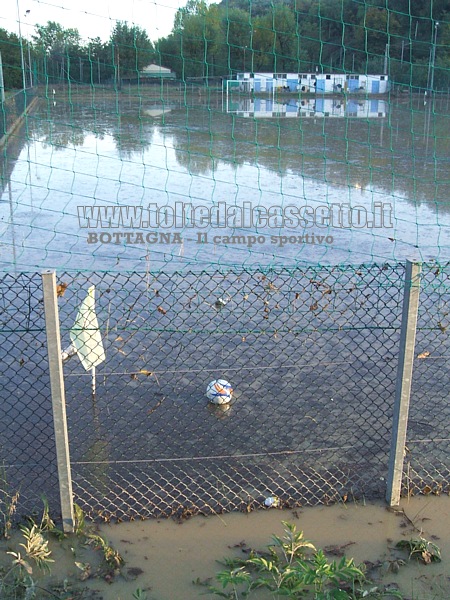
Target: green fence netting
{"points": [[243, 182], [239, 133]]}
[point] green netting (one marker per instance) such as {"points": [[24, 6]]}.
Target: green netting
{"points": [[231, 134], [242, 182]]}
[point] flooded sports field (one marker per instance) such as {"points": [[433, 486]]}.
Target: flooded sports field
{"points": [[90, 151], [300, 312]]}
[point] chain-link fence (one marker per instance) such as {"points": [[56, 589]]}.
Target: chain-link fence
{"points": [[311, 353], [427, 466], [27, 447]]}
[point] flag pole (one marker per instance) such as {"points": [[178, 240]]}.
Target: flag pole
{"points": [[93, 380]]}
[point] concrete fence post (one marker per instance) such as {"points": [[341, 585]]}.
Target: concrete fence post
{"points": [[58, 398], [404, 380]]}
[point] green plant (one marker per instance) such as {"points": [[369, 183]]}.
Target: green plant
{"points": [[17, 581], [421, 549], [292, 545], [46, 524], [112, 561], [293, 568], [111, 557], [36, 547], [79, 524]]}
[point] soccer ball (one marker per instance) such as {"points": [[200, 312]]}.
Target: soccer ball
{"points": [[219, 391]]}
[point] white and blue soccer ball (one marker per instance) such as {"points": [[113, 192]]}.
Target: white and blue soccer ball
{"points": [[219, 391]]}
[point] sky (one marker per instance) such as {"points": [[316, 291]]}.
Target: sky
{"points": [[92, 18]]}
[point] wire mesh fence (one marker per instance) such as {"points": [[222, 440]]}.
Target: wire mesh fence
{"points": [[311, 354], [427, 467], [27, 448]]}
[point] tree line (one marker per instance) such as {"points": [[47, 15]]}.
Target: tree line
{"points": [[307, 35], [56, 54], [219, 40]]}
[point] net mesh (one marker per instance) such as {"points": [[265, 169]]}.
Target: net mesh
{"points": [[337, 109], [242, 182]]}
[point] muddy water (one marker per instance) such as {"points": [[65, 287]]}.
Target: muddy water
{"points": [[82, 154], [163, 557], [172, 555]]}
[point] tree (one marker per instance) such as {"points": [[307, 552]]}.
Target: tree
{"points": [[12, 68], [59, 51], [99, 61], [238, 39], [131, 49]]}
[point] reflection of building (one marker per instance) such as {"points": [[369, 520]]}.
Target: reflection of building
{"points": [[309, 107], [325, 83]]}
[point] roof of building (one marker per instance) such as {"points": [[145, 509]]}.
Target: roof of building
{"points": [[153, 69]]}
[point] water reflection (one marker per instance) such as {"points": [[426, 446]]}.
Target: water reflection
{"points": [[138, 152], [310, 107]]}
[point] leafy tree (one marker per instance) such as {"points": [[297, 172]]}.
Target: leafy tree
{"points": [[53, 38], [238, 40], [99, 64], [10, 50], [131, 49], [168, 53], [58, 51]]}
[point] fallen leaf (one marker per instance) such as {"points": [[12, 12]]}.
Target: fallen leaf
{"points": [[162, 310], [145, 372], [60, 289], [424, 354]]}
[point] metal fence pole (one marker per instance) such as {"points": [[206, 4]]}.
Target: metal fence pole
{"points": [[58, 398], [404, 379]]}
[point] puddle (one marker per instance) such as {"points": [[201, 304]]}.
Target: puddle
{"points": [[172, 555], [164, 557]]}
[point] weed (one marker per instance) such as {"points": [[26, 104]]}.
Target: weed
{"points": [[79, 524], [36, 547], [17, 582], [294, 568], [8, 505], [421, 549]]}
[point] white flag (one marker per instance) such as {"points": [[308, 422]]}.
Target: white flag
{"points": [[85, 334]]}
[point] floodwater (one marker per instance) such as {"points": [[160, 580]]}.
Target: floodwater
{"points": [[79, 152], [172, 556], [164, 558]]}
